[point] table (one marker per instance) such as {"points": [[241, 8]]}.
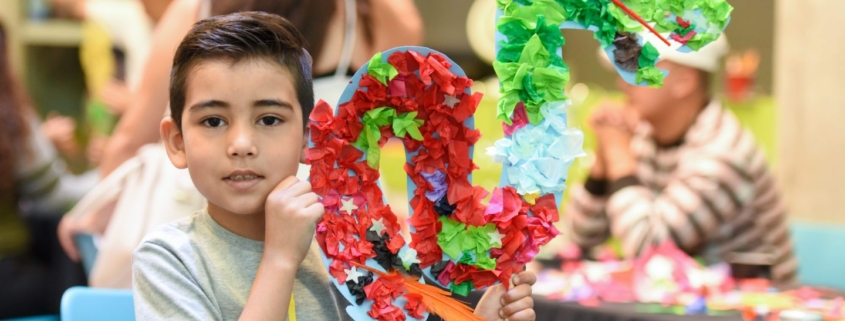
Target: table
{"points": [[554, 310], [549, 310]]}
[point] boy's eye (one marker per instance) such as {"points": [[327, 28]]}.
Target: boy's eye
{"points": [[213, 122], [269, 120]]}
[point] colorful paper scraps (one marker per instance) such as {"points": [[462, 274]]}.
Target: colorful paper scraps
{"points": [[618, 25], [421, 97], [696, 290], [697, 307]]}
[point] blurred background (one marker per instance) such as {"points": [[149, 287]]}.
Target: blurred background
{"points": [[778, 101], [782, 79]]}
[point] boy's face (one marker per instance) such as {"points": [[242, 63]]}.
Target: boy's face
{"points": [[241, 132]]}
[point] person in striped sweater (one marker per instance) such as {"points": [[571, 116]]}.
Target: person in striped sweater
{"points": [[673, 165]]}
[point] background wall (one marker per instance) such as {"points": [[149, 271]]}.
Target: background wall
{"points": [[811, 107]]}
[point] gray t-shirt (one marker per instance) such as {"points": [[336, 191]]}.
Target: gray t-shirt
{"points": [[194, 269]]}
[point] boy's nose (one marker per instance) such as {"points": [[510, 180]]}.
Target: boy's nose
{"points": [[242, 144]]}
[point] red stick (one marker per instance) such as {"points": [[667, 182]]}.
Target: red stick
{"points": [[634, 15]]}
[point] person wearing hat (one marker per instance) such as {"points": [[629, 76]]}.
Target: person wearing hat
{"points": [[673, 165]]}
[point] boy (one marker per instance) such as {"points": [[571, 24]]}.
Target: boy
{"points": [[687, 173], [240, 95]]}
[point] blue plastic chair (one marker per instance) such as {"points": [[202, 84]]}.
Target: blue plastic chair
{"points": [[87, 251], [81, 303], [818, 248]]}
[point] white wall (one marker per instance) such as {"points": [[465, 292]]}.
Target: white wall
{"points": [[810, 92]]}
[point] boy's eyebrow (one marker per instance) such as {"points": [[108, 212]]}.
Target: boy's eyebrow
{"points": [[258, 103], [209, 104], [272, 103]]}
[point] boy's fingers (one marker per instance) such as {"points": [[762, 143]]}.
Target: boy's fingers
{"points": [[309, 199], [315, 211], [296, 189], [524, 315], [509, 310], [517, 293], [287, 182], [299, 189], [525, 277]]}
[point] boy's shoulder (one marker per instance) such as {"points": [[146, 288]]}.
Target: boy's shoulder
{"points": [[177, 236]]}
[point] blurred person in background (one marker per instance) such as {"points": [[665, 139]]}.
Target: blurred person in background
{"points": [[129, 26], [115, 44], [342, 36], [380, 25], [673, 165], [35, 190]]}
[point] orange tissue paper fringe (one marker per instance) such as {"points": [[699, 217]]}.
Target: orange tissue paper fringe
{"points": [[436, 300]]}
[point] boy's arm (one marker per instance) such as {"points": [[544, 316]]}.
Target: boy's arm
{"points": [[291, 214], [273, 285], [163, 288]]}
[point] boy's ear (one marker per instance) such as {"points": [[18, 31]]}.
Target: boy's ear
{"points": [[173, 143], [302, 155]]}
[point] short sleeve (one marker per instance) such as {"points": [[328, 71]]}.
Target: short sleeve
{"points": [[163, 287]]}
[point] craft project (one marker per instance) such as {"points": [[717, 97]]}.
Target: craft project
{"points": [[457, 242], [420, 96]]}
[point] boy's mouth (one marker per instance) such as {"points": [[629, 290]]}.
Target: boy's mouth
{"points": [[243, 179]]}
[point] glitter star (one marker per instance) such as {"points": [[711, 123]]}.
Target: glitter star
{"points": [[450, 101], [378, 226], [348, 206], [409, 257], [352, 274], [496, 237]]}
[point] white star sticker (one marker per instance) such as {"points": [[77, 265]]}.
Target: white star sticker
{"points": [[378, 226], [409, 257], [450, 101], [496, 237], [348, 206], [699, 20], [352, 274]]}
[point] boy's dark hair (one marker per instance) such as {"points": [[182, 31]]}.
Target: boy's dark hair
{"points": [[238, 36]]}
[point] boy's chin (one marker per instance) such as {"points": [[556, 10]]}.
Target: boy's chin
{"points": [[248, 210], [243, 207]]}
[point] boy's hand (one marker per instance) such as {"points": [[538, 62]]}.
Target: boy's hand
{"points": [[291, 215], [515, 304]]}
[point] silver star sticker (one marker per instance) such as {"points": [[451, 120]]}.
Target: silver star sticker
{"points": [[348, 206], [378, 226], [496, 237], [450, 101], [409, 257], [352, 274]]}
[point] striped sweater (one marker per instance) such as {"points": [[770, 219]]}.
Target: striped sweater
{"points": [[712, 195]]}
